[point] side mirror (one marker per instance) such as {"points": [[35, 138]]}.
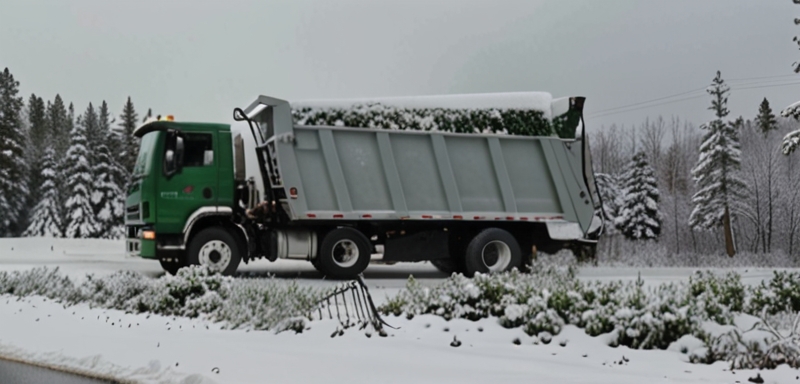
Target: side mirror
{"points": [[178, 153], [173, 157]]}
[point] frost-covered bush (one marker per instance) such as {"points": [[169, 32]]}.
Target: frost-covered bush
{"points": [[781, 294], [193, 292], [39, 281], [542, 302]]}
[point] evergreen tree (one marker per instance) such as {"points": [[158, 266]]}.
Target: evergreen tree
{"points": [[81, 220], [48, 212], [38, 134], [639, 217], [130, 144], [93, 134], [59, 126], [13, 169], [765, 120], [107, 198], [611, 196], [719, 187]]}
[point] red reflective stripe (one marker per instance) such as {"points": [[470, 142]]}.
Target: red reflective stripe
{"points": [[557, 218], [311, 215], [477, 217], [458, 217], [427, 216], [523, 218], [338, 216], [367, 216], [509, 217]]}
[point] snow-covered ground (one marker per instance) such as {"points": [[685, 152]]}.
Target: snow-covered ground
{"points": [[144, 348]]}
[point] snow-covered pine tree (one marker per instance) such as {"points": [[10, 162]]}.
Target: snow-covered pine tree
{"points": [[130, 144], [59, 127], [80, 215], [38, 136], [48, 212], [639, 217], [13, 169], [107, 197], [611, 196], [765, 120], [720, 188]]}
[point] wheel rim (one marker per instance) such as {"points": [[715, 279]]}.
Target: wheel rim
{"points": [[345, 253], [215, 254], [496, 256]]}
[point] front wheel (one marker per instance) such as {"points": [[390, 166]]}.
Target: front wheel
{"points": [[493, 250], [215, 248], [343, 253]]}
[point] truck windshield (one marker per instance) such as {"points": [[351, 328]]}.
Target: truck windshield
{"points": [[143, 161]]}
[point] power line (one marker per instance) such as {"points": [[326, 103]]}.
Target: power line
{"points": [[760, 77], [629, 108], [644, 107]]}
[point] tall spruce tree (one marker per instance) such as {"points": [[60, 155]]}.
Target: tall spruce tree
{"points": [[13, 169], [48, 212], [81, 219], [720, 189], [38, 134], [59, 127], [611, 196], [130, 144], [107, 197], [765, 120], [639, 217]]}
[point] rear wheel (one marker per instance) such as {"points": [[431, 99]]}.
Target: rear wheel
{"points": [[215, 248], [493, 250], [343, 253]]}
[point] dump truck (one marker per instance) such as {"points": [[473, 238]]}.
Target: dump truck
{"points": [[474, 199]]}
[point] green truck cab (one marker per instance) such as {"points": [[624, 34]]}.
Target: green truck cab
{"points": [[183, 175], [345, 197]]}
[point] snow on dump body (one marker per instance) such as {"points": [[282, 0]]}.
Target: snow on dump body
{"points": [[539, 101], [520, 113]]}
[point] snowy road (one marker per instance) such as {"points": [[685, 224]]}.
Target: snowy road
{"points": [[12, 372]]}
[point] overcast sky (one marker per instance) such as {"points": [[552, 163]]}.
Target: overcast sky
{"points": [[199, 59]]}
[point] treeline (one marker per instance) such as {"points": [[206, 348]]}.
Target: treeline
{"points": [[63, 173], [722, 186]]}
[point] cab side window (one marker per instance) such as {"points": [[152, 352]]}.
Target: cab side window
{"points": [[199, 151]]}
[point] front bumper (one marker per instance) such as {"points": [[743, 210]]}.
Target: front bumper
{"points": [[136, 246]]}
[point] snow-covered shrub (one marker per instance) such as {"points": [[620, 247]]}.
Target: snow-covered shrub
{"points": [[114, 291], [630, 313], [193, 292], [271, 304], [752, 343], [712, 297], [781, 294], [38, 281]]}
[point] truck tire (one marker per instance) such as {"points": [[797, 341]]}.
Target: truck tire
{"points": [[171, 267], [215, 248], [343, 253], [493, 250]]}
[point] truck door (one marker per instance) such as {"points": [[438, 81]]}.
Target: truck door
{"points": [[192, 185]]}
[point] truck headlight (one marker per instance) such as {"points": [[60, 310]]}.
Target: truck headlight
{"points": [[149, 235]]}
